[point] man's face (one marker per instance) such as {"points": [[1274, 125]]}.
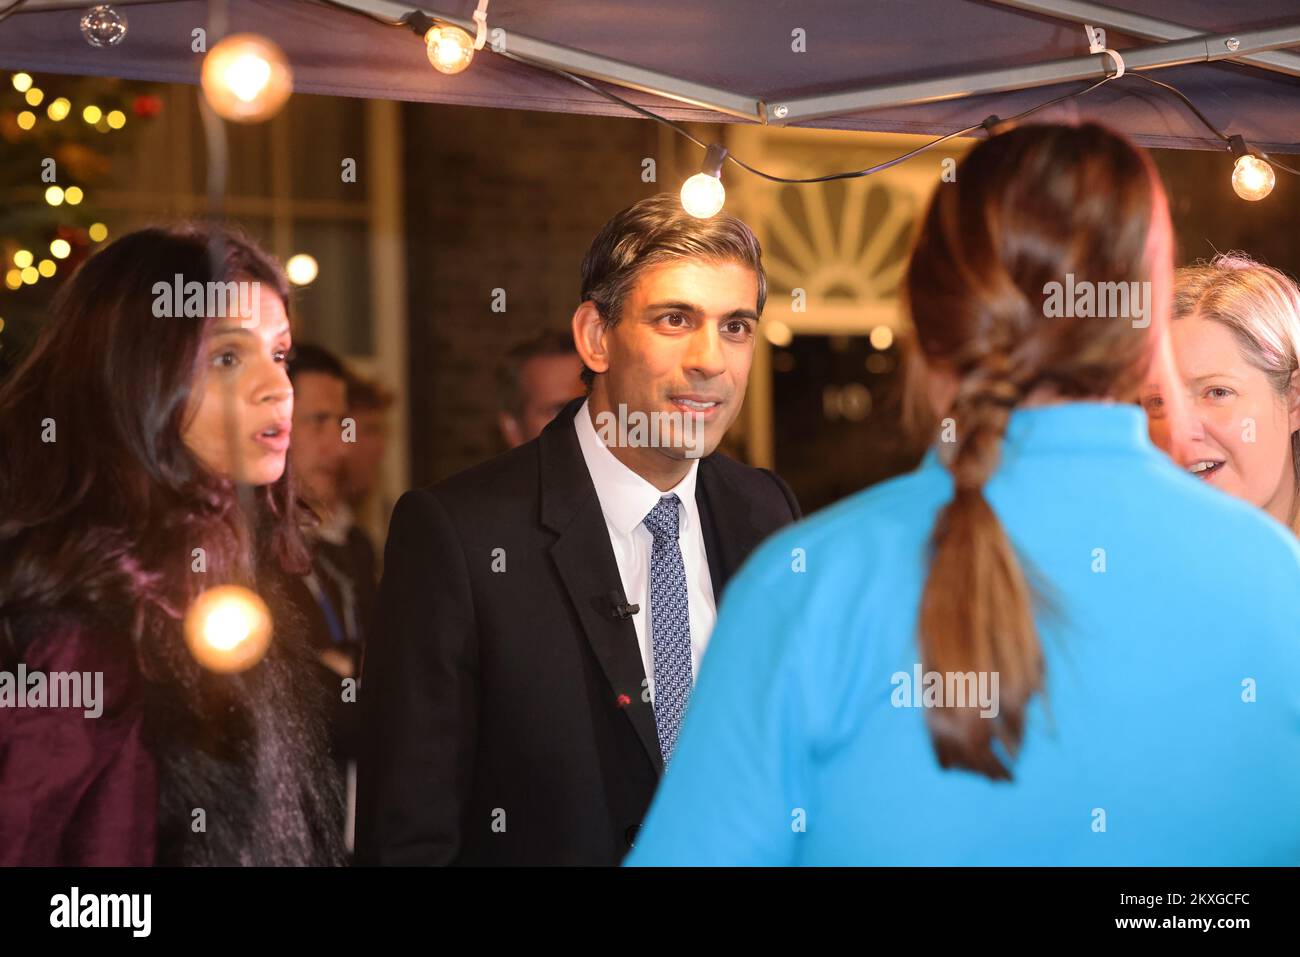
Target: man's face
{"points": [[546, 385], [363, 458], [683, 344], [317, 450]]}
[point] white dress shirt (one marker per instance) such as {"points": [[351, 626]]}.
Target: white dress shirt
{"points": [[626, 499]]}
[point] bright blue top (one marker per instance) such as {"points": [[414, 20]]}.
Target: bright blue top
{"points": [[1170, 731]]}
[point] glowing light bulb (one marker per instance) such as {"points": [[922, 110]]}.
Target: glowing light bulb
{"points": [[73, 195], [26, 119], [30, 275], [13, 278], [59, 109], [882, 337], [1252, 178], [703, 195], [98, 232], [228, 629], [116, 119], [301, 269], [778, 333], [46, 268], [22, 82], [92, 114], [60, 248], [246, 78], [23, 258], [54, 195], [35, 96], [449, 48]]}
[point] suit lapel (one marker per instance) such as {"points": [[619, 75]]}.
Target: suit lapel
{"points": [[731, 531], [585, 561]]}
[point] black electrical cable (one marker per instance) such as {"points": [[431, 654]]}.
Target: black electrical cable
{"points": [[1214, 129], [677, 127], [1294, 172], [417, 21], [1190, 105]]}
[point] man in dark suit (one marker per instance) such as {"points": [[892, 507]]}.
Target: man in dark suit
{"points": [[542, 616]]}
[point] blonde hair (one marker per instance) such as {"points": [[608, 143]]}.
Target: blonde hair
{"points": [[1258, 304]]}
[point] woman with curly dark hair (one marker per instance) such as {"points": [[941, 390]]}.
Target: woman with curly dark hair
{"points": [[143, 462]]}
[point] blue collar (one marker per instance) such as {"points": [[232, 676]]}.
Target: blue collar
{"points": [[1074, 427]]}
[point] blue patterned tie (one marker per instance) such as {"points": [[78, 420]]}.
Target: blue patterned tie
{"points": [[670, 623]]}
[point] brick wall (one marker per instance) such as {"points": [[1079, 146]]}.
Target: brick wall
{"points": [[508, 199]]}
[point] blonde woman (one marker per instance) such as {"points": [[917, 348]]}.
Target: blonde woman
{"points": [[1235, 342]]}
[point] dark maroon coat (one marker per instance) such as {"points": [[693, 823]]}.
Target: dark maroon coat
{"points": [[76, 790]]}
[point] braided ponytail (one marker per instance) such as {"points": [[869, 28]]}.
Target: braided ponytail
{"points": [[986, 249]]}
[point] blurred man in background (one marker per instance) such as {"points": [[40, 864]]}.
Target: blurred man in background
{"points": [[538, 378], [368, 405], [337, 598], [342, 582]]}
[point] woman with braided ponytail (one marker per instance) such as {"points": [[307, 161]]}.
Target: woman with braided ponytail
{"points": [[1017, 653]]}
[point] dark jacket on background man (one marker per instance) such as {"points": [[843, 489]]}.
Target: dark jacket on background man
{"points": [[503, 720]]}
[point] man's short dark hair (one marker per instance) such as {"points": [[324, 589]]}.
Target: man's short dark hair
{"points": [[658, 230], [313, 358], [554, 342], [367, 395]]}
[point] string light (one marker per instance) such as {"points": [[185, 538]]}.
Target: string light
{"points": [[98, 232], [703, 194], [22, 82], [92, 114], [301, 269], [116, 119], [60, 248], [59, 109], [1252, 177], [26, 119], [991, 124], [102, 26], [34, 96], [246, 78], [778, 333], [54, 195], [14, 278], [228, 629], [46, 268], [73, 195], [23, 258], [450, 49]]}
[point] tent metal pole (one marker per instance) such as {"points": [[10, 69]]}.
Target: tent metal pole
{"points": [[588, 65], [36, 6], [1201, 49], [1144, 28]]}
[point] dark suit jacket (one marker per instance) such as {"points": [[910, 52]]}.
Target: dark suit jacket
{"points": [[501, 696]]}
